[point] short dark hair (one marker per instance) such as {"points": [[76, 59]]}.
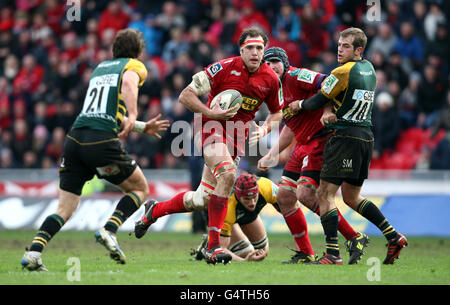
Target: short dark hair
{"points": [[359, 38], [128, 43], [253, 32]]}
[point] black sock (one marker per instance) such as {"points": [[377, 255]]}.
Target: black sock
{"points": [[373, 214], [330, 228], [129, 204], [51, 225]]}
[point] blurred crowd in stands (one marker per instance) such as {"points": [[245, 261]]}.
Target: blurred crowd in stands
{"points": [[46, 59]]}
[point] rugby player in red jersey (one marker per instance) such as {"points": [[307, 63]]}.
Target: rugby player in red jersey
{"points": [[301, 175], [222, 134]]}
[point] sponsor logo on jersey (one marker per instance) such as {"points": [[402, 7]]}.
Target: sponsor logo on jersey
{"points": [[363, 95], [306, 76], [249, 103], [214, 68], [330, 83]]}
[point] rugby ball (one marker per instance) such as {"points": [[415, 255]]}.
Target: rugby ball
{"points": [[227, 99]]}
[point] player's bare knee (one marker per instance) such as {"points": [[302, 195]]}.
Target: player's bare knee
{"points": [[226, 181], [307, 195], [286, 199]]}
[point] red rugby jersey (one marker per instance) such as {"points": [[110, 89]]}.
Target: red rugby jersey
{"points": [[299, 84], [260, 86]]}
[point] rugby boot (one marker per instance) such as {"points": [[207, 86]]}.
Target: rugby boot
{"points": [[216, 255], [300, 257], [198, 253], [355, 247], [141, 226], [394, 246], [109, 241], [328, 259], [32, 261]]}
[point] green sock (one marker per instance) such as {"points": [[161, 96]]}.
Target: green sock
{"points": [[129, 204], [330, 228], [51, 225], [370, 211]]}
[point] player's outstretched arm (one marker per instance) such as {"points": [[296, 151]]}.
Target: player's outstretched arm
{"points": [[151, 127]]}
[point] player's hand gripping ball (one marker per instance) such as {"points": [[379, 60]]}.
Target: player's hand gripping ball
{"points": [[227, 99]]}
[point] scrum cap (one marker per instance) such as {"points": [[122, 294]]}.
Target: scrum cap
{"points": [[246, 185], [276, 53]]}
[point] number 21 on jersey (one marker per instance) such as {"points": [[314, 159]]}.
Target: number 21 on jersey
{"points": [[97, 94]]}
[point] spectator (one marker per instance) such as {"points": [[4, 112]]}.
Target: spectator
{"points": [[430, 97], [10, 67], [408, 45], [378, 60], [21, 21], [40, 29], [407, 103], [65, 78], [169, 18], [383, 41], [40, 141], [326, 9], [230, 21], [5, 107], [29, 77], [6, 159], [88, 51], [65, 116], [385, 124], [433, 18], [443, 122], [6, 19], [395, 70], [440, 46], [314, 37], [288, 21], [250, 17], [54, 12], [291, 47], [55, 146], [21, 141], [419, 12], [112, 18], [199, 49], [440, 156], [175, 46], [30, 160], [151, 32]]}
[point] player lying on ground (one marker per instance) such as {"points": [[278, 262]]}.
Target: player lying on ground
{"points": [[243, 235]]}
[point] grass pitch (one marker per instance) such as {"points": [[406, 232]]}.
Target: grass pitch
{"points": [[163, 259]]}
